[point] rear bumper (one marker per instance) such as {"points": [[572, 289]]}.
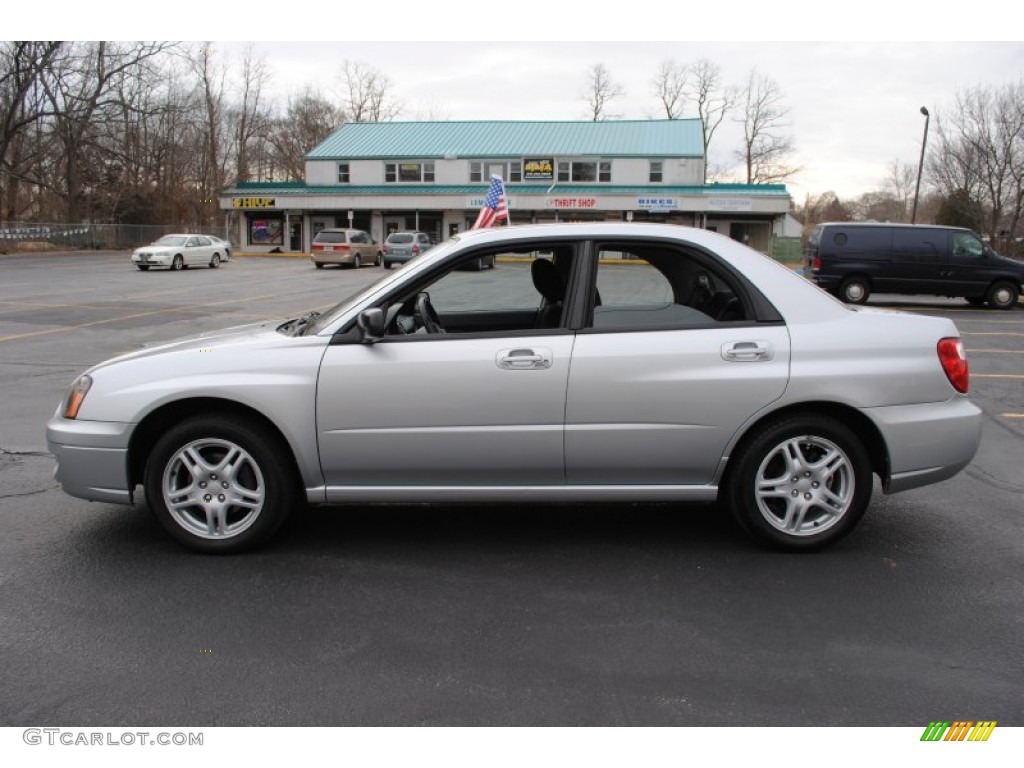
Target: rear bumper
{"points": [[332, 257], [91, 458], [927, 442]]}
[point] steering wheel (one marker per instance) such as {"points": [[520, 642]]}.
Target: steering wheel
{"points": [[427, 313]]}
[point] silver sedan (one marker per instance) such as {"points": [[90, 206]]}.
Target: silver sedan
{"points": [[180, 252], [600, 362]]}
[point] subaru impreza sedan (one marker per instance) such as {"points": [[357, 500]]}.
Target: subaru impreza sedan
{"points": [[603, 362]]}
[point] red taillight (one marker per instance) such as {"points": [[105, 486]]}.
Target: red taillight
{"points": [[816, 264], [384, 248], [415, 248], [954, 363]]}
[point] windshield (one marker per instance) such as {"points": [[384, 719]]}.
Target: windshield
{"points": [[346, 304], [171, 240]]}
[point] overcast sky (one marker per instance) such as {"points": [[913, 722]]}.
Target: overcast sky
{"points": [[854, 105]]}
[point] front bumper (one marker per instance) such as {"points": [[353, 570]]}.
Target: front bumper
{"points": [[928, 442], [156, 259], [92, 458]]}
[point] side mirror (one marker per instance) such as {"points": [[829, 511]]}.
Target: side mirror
{"points": [[371, 323]]}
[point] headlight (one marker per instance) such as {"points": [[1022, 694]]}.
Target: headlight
{"points": [[76, 396]]}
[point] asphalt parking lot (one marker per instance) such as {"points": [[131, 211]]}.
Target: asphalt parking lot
{"points": [[616, 614]]}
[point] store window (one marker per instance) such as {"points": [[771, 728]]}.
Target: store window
{"points": [[656, 174], [409, 172], [511, 172], [266, 229], [585, 171], [343, 173]]}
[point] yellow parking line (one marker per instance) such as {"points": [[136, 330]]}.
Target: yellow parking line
{"points": [[1012, 415], [997, 375], [995, 351], [185, 308]]}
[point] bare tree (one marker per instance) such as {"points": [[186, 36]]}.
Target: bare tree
{"points": [[670, 88], [309, 119], [979, 152], [713, 100], [367, 94], [83, 93], [23, 65], [250, 117], [900, 184], [766, 140], [600, 91]]}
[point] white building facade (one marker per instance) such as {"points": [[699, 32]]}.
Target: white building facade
{"points": [[432, 177]]}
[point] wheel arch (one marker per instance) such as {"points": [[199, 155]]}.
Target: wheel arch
{"points": [[862, 426], [149, 430]]}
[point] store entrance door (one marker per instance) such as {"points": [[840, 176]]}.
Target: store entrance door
{"points": [[295, 235]]}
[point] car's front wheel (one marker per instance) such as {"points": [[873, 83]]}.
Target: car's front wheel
{"points": [[219, 485], [801, 482], [143, 267], [177, 263], [215, 261]]}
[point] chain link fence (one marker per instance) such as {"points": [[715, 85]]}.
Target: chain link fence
{"points": [[16, 237]]}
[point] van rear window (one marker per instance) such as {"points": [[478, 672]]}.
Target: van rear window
{"points": [[329, 237]]}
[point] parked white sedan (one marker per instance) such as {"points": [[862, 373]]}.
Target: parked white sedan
{"points": [[602, 362], [180, 251]]}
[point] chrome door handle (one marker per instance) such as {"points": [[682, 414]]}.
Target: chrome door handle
{"points": [[523, 359], [747, 351]]}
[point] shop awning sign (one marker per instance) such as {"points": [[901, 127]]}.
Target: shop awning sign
{"points": [[730, 204], [571, 203], [252, 202], [657, 203]]}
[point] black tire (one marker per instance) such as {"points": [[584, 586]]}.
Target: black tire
{"points": [[356, 262], [318, 265], [378, 259], [1002, 294], [143, 267], [387, 264], [177, 263], [782, 496], [854, 290], [245, 464], [215, 261]]}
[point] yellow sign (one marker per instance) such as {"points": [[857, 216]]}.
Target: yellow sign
{"points": [[252, 202]]}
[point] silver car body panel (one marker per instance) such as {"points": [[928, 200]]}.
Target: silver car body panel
{"points": [[615, 415]]}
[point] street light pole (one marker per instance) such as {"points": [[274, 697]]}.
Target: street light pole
{"points": [[920, 166]]}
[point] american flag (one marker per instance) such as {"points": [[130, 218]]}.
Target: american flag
{"points": [[495, 208]]}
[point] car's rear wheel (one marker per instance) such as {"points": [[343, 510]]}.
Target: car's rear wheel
{"points": [[854, 290], [177, 263], [215, 261], [143, 267], [219, 485], [801, 482], [318, 265], [356, 262], [1002, 295], [377, 261]]}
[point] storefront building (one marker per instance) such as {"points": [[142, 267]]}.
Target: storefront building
{"points": [[432, 177]]}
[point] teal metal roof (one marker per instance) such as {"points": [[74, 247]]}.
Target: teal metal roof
{"points": [[496, 139], [299, 188]]}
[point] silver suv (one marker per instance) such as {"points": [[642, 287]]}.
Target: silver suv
{"points": [[401, 247]]}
